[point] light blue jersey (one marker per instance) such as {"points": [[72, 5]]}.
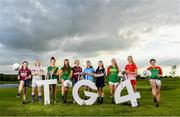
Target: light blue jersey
{"points": [[88, 77]]}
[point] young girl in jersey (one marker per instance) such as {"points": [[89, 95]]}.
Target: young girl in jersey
{"points": [[53, 74], [24, 75], [112, 73], [99, 76], [37, 73], [89, 73], [131, 71], [66, 74], [155, 80], [77, 70]]}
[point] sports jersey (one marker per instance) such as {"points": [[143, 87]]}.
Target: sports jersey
{"points": [[66, 73], [23, 73], [131, 68], [76, 70], [112, 73], [37, 70], [52, 70], [155, 72], [100, 80], [89, 70]]}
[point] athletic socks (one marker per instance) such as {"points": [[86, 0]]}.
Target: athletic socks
{"points": [[33, 96], [40, 98]]}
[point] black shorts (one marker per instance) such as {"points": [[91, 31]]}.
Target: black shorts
{"points": [[100, 82], [74, 81], [26, 83]]}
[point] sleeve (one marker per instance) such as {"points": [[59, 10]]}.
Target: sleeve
{"points": [[29, 72], [160, 71], [148, 68], [80, 69], [93, 70], [84, 75], [73, 69], [19, 72], [57, 68], [48, 70], [126, 67], [135, 66], [108, 70], [104, 71]]}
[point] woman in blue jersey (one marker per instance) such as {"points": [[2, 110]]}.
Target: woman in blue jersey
{"points": [[89, 73]]}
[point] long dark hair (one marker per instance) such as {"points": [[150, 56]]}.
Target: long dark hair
{"points": [[66, 68]]}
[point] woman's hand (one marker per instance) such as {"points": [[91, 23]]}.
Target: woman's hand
{"points": [[18, 77]]}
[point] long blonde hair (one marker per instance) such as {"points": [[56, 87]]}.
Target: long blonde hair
{"points": [[36, 63], [116, 65], [131, 58]]}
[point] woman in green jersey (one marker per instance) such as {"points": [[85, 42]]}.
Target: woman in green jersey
{"points": [[112, 73], [65, 74], [155, 80], [53, 74]]}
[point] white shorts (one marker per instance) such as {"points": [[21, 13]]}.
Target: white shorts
{"points": [[155, 81], [34, 82], [113, 83]]}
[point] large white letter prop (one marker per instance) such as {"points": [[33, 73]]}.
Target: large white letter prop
{"points": [[93, 96], [46, 84], [132, 96]]}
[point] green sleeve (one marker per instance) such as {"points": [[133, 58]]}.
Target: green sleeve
{"points": [[55, 71]]}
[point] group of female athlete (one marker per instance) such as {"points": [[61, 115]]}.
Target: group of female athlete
{"points": [[89, 73]]}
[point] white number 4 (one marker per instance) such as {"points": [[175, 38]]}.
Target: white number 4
{"points": [[132, 96]]}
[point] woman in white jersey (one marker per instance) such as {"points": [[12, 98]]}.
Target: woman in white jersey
{"points": [[37, 73]]}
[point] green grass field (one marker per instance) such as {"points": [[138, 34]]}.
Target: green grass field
{"points": [[170, 104]]}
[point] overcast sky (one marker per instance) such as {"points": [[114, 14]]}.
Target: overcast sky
{"points": [[90, 30]]}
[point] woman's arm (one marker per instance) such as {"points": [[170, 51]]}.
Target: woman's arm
{"points": [[71, 74], [18, 77], [34, 73]]}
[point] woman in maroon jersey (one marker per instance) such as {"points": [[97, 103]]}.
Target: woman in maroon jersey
{"points": [[76, 73], [24, 75]]}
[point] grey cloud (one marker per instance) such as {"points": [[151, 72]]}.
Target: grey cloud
{"points": [[40, 22], [170, 62], [91, 45], [35, 28]]}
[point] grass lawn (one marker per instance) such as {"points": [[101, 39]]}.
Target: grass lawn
{"points": [[170, 103]]}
